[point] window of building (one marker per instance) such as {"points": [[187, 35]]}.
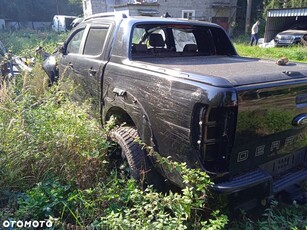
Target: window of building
{"points": [[188, 14], [85, 2]]}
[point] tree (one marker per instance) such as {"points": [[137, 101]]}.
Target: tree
{"points": [[38, 10], [277, 4], [294, 3]]}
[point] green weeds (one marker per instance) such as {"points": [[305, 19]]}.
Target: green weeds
{"points": [[274, 218], [24, 42], [46, 135]]}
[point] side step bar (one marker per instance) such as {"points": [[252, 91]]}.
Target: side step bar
{"points": [[260, 176], [289, 179]]}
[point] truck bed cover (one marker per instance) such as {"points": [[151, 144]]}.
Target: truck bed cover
{"points": [[236, 70]]}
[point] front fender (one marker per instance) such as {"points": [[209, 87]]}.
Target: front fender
{"points": [[50, 66]]}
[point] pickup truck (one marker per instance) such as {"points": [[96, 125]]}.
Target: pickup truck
{"points": [[181, 87]]}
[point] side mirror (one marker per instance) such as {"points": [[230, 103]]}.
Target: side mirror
{"points": [[62, 48]]}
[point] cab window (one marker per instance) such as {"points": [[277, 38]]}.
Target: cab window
{"points": [[74, 43], [95, 41]]}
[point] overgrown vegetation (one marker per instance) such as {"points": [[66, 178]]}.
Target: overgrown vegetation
{"points": [[54, 164], [24, 42], [296, 53]]}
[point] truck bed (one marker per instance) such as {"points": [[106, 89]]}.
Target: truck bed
{"points": [[236, 70]]}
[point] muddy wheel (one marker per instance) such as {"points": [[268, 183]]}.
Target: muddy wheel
{"points": [[131, 160], [130, 153]]}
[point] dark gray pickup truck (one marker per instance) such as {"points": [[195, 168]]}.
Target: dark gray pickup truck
{"points": [[181, 87]]}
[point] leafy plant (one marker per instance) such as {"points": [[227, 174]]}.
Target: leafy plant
{"points": [[276, 216], [184, 210]]}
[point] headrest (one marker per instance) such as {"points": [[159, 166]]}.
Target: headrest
{"points": [[190, 48], [156, 40], [139, 48]]}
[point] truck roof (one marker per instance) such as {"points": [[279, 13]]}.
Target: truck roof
{"points": [[120, 16]]}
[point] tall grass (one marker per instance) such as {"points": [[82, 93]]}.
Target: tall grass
{"points": [[44, 134], [24, 42]]}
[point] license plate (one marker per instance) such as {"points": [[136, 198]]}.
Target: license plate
{"points": [[285, 41], [280, 165]]}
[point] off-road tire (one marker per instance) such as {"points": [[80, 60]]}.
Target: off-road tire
{"points": [[140, 167], [131, 151]]}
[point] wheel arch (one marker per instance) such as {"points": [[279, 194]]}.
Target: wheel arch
{"points": [[121, 115], [136, 118]]}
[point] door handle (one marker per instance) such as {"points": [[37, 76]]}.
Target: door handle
{"points": [[92, 72], [119, 92]]}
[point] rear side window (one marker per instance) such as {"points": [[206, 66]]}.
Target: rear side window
{"points": [[95, 41]]}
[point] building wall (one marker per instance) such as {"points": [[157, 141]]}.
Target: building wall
{"points": [[208, 10], [175, 8], [94, 7]]}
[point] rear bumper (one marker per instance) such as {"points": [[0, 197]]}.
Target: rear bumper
{"points": [[258, 177]]}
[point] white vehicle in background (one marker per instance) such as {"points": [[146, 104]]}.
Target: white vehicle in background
{"points": [[62, 23]]}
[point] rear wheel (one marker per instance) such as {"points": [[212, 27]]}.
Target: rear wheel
{"points": [[131, 160], [129, 153]]}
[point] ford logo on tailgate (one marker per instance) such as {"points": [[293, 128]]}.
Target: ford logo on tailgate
{"points": [[300, 120]]}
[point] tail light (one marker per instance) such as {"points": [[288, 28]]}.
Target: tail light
{"points": [[216, 129]]}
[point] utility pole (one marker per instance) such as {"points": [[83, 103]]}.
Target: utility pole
{"points": [[248, 15]]}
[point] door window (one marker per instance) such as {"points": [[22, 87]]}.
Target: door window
{"points": [[95, 41], [74, 44]]}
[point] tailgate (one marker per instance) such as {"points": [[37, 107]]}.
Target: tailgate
{"points": [[271, 127]]}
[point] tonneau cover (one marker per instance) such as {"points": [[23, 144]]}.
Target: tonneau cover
{"points": [[236, 70]]}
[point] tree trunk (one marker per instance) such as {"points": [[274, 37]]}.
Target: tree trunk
{"points": [[248, 15]]}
